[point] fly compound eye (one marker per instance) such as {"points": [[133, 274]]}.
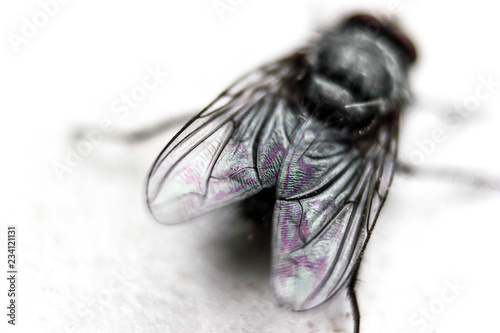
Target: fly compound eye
{"points": [[387, 29]]}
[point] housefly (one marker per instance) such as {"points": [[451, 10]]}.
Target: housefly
{"points": [[312, 138]]}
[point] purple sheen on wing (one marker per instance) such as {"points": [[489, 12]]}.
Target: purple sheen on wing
{"points": [[226, 154], [322, 216], [188, 176], [299, 268]]}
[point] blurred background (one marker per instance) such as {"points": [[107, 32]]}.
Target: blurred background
{"points": [[91, 258]]}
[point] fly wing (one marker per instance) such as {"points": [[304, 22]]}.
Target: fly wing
{"points": [[329, 195], [230, 151]]}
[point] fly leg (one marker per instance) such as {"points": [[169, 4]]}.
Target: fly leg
{"points": [[473, 179], [141, 135], [352, 300]]}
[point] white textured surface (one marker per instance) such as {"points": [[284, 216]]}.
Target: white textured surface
{"points": [[91, 257]]}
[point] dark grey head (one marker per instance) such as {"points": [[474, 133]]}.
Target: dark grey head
{"points": [[358, 70]]}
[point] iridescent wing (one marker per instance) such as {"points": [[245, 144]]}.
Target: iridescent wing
{"points": [[329, 194], [231, 150]]}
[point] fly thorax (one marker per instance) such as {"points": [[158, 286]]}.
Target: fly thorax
{"points": [[334, 103]]}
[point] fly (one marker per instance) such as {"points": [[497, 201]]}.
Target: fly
{"points": [[313, 138]]}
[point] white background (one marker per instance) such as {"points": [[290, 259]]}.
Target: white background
{"points": [[90, 256]]}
